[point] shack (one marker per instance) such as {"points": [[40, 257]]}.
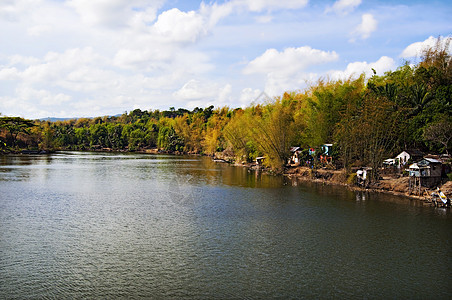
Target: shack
{"points": [[295, 156], [390, 162], [260, 161], [408, 155], [326, 157], [426, 173], [363, 176], [327, 149]]}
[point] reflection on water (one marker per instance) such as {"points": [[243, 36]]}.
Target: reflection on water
{"points": [[96, 225]]}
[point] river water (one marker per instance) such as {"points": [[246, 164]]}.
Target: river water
{"points": [[97, 225]]}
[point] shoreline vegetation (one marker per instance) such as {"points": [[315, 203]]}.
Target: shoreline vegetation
{"points": [[365, 120]]}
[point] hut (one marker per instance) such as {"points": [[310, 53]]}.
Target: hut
{"points": [[295, 156], [426, 173], [260, 161], [363, 176], [408, 155], [327, 149]]}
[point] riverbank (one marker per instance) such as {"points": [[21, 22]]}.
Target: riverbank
{"points": [[394, 185]]}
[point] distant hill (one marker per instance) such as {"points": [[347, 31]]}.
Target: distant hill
{"points": [[56, 119], [52, 119]]}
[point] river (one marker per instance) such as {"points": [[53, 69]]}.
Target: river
{"points": [[101, 225]]}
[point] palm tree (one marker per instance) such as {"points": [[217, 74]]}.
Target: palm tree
{"points": [[419, 99]]}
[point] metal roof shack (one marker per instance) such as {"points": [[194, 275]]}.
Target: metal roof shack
{"points": [[427, 172]]}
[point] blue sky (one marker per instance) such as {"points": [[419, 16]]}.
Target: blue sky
{"points": [[76, 58]]}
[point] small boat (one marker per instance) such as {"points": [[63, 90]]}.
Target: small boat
{"points": [[439, 195]]}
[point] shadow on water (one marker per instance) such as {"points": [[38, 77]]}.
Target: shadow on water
{"points": [[22, 167]]}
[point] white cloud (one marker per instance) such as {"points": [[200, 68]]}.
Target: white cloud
{"points": [[44, 97], [195, 90], [289, 61], [355, 69], [36, 17], [365, 28], [115, 13], [416, 49], [249, 95], [343, 6], [145, 58], [223, 99], [264, 19], [38, 30], [22, 60], [9, 73], [276, 84], [17, 107], [12, 9], [55, 68], [201, 93], [259, 5], [224, 95], [286, 70], [179, 26], [217, 12]]}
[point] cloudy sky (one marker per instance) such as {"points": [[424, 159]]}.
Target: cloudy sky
{"points": [[76, 58]]}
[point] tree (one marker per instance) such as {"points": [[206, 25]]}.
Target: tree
{"points": [[376, 130], [82, 137], [47, 142], [14, 126], [440, 132], [114, 135], [137, 139], [237, 135], [98, 135], [272, 129], [327, 104], [347, 136], [169, 140], [419, 99]]}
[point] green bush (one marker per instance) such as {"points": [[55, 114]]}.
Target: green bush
{"points": [[351, 179]]}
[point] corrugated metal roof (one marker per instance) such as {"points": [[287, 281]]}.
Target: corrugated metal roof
{"points": [[432, 160]]}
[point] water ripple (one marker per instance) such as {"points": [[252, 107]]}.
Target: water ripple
{"points": [[81, 225]]}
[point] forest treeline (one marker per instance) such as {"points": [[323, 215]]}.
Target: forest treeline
{"points": [[367, 120]]}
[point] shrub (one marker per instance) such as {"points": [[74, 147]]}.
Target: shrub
{"points": [[351, 179]]}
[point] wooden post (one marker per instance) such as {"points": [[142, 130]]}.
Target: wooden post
{"points": [[409, 185], [419, 186]]}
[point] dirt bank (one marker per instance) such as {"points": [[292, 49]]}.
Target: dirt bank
{"points": [[389, 184]]}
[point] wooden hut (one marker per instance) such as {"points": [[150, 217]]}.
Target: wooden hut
{"points": [[295, 156], [426, 173]]}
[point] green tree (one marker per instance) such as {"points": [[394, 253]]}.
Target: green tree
{"points": [[14, 126], [114, 135], [98, 135], [327, 104], [82, 137], [168, 139], [137, 139], [47, 142], [272, 130], [237, 134]]}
